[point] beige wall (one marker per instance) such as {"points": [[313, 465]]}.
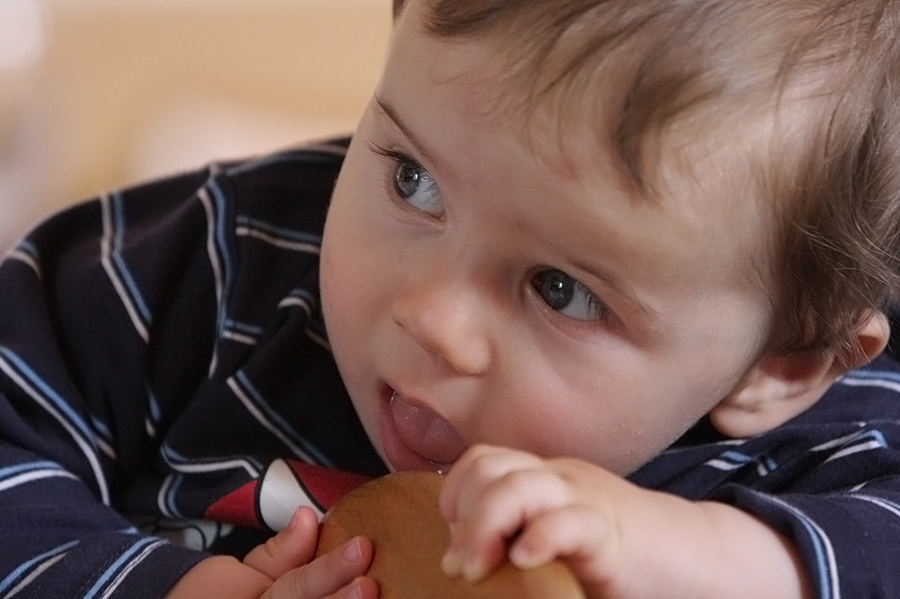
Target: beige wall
{"points": [[131, 89]]}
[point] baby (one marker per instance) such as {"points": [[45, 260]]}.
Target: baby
{"points": [[606, 264]]}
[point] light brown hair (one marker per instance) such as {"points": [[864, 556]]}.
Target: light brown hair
{"points": [[833, 180]]}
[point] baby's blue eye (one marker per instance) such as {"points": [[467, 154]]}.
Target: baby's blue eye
{"points": [[567, 296], [416, 186]]}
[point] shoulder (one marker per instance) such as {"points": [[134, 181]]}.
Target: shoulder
{"points": [[291, 187], [304, 170], [852, 432], [870, 393]]}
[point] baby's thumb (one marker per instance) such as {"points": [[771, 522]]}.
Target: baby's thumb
{"points": [[290, 548]]}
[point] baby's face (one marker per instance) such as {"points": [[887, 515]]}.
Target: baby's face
{"points": [[481, 289]]}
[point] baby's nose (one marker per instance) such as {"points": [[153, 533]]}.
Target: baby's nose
{"points": [[448, 321]]}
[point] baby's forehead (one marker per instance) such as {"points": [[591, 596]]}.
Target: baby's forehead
{"points": [[632, 72], [656, 94], [721, 147]]}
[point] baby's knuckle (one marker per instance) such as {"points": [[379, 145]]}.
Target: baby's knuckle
{"points": [[490, 465], [514, 482], [270, 547], [526, 480]]}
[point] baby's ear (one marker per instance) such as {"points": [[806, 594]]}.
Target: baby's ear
{"points": [[781, 386]]}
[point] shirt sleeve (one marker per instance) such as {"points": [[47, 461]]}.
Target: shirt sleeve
{"points": [[74, 388], [848, 540], [159, 347], [828, 480], [840, 498], [836, 493]]}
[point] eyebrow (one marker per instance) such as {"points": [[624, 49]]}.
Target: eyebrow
{"points": [[385, 108]]}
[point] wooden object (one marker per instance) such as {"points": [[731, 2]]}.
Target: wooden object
{"points": [[399, 513]]}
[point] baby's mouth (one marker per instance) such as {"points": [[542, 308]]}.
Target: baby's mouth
{"points": [[424, 432]]}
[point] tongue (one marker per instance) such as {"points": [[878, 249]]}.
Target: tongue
{"points": [[424, 432]]}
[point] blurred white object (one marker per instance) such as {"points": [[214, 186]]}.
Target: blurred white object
{"points": [[190, 131], [98, 94], [23, 43], [22, 34]]}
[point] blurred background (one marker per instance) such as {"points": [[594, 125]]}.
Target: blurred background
{"points": [[97, 94]]}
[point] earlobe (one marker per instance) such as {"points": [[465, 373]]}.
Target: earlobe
{"points": [[781, 386], [775, 390], [872, 338]]}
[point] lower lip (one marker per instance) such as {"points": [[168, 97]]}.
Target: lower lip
{"points": [[398, 455]]}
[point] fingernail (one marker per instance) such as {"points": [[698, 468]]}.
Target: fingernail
{"points": [[473, 570], [295, 520], [352, 553], [522, 558], [451, 564], [355, 590]]}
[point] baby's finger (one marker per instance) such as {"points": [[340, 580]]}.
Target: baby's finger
{"points": [[292, 547], [332, 575], [477, 468], [478, 541], [577, 534], [588, 544], [360, 588]]}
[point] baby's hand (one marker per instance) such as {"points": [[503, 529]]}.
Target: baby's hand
{"points": [[285, 558], [281, 569], [617, 538]]}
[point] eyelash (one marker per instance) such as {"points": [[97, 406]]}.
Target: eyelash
{"points": [[394, 156], [412, 185], [548, 280], [396, 159]]}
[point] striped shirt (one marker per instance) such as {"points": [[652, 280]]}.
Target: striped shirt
{"points": [[162, 351]]}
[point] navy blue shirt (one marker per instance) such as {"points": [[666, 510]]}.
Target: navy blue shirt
{"points": [[162, 353]]}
